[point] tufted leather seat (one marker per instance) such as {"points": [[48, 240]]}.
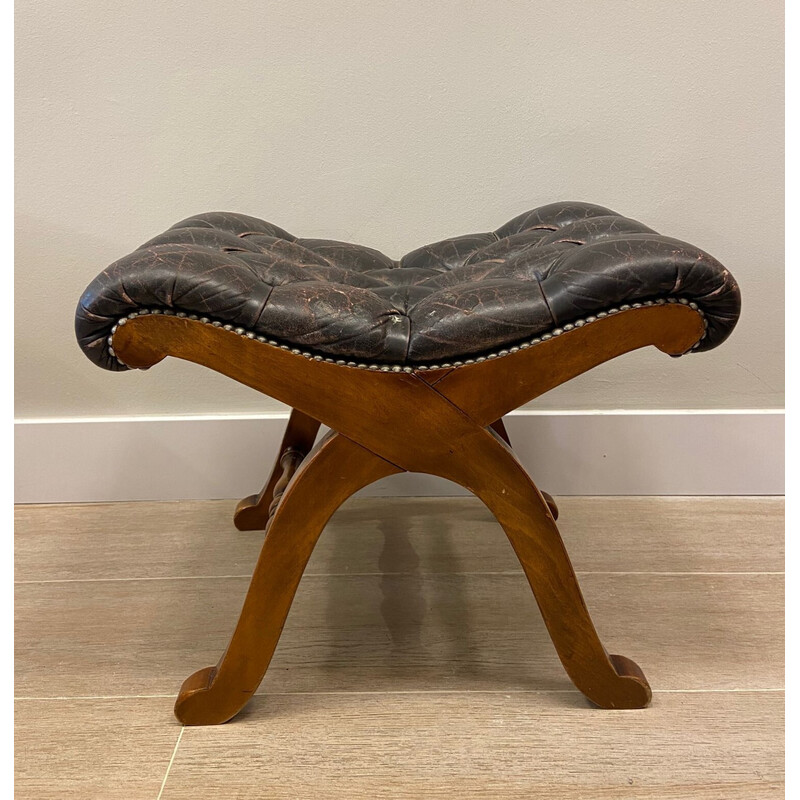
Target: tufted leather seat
{"points": [[454, 299]]}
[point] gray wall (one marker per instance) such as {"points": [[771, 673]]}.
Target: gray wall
{"points": [[394, 124]]}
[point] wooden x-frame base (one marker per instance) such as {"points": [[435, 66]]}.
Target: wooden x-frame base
{"points": [[445, 422]]}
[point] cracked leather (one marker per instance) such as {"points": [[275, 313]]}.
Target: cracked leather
{"points": [[453, 299]]}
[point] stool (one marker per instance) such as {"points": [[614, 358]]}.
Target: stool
{"points": [[412, 365]]}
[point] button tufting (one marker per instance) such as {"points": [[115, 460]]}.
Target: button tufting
{"points": [[543, 273]]}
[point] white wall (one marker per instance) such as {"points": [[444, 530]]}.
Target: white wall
{"points": [[393, 124], [568, 452]]}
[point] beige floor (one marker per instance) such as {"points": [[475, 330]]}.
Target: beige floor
{"points": [[414, 663]]}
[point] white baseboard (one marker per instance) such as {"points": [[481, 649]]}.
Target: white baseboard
{"points": [[714, 452]]}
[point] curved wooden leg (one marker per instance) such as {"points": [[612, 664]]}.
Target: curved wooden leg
{"points": [[496, 476], [330, 474], [498, 426], [252, 513], [427, 423]]}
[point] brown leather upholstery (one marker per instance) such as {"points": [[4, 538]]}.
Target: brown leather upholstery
{"points": [[452, 299]]}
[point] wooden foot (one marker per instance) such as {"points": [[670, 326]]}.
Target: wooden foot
{"points": [[252, 513], [608, 681], [332, 472]]}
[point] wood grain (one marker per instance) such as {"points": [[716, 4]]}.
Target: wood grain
{"points": [[391, 639], [396, 632], [429, 534], [92, 749], [488, 746]]}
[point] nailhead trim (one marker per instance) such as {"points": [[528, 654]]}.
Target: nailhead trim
{"points": [[578, 323]]}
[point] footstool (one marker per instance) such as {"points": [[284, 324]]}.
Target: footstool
{"points": [[412, 365]]}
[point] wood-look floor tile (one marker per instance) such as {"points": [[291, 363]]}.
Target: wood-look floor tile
{"points": [[393, 603], [397, 632], [92, 749], [130, 540], [486, 746], [179, 539]]}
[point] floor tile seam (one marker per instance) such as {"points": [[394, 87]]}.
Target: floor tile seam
{"points": [[664, 573], [347, 693], [169, 766]]}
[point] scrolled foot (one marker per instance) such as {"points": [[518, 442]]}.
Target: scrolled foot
{"points": [[249, 515], [626, 688], [196, 703]]}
